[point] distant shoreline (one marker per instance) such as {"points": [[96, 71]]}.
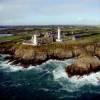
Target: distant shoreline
{"points": [[1, 35]]}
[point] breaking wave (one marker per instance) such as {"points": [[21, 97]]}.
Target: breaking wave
{"points": [[48, 80]]}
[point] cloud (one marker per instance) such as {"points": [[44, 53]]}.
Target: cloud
{"points": [[39, 11]]}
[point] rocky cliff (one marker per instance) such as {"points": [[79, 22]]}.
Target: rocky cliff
{"points": [[84, 65], [27, 55], [86, 62]]}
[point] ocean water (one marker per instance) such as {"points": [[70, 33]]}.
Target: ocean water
{"points": [[2, 35], [47, 81]]}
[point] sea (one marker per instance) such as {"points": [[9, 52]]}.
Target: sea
{"points": [[48, 81], [3, 35]]}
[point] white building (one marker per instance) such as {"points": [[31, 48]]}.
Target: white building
{"points": [[73, 37], [33, 41], [59, 35]]}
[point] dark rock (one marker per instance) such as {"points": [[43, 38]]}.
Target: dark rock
{"points": [[84, 65], [27, 55]]}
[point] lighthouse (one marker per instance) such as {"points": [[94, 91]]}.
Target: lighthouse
{"points": [[34, 40], [59, 35], [73, 37]]}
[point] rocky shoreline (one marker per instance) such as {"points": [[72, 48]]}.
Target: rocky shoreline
{"points": [[84, 65], [87, 55]]}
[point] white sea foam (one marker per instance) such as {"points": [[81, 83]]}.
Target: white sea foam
{"points": [[4, 55], [11, 68], [44, 89], [74, 83], [58, 72], [7, 67]]}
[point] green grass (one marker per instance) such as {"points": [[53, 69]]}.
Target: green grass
{"points": [[68, 44], [15, 38], [93, 38]]}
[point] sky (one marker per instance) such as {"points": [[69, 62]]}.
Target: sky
{"points": [[49, 12]]}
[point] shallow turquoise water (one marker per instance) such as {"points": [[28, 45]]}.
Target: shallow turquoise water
{"points": [[47, 81]]}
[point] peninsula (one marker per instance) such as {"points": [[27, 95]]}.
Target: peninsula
{"points": [[82, 44]]}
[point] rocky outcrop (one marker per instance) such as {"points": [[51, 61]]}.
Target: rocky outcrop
{"points": [[37, 56], [84, 65], [87, 56], [62, 54], [7, 47], [97, 52]]}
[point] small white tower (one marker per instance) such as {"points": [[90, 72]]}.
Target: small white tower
{"points": [[73, 37], [34, 40], [58, 36]]}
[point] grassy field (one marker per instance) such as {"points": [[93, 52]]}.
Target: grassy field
{"points": [[88, 36], [15, 38]]}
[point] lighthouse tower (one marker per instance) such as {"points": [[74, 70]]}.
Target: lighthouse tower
{"points": [[59, 35], [34, 40], [73, 37]]}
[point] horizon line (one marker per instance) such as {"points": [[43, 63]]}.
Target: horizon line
{"points": [[53, 25]]}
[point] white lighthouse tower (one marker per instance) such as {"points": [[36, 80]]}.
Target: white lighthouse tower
{"points": [[34, 40], [59, 35], [73, 37]]}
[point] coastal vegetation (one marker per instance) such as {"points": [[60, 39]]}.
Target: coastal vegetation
{"points": [[87, 44], [15, 37]]}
